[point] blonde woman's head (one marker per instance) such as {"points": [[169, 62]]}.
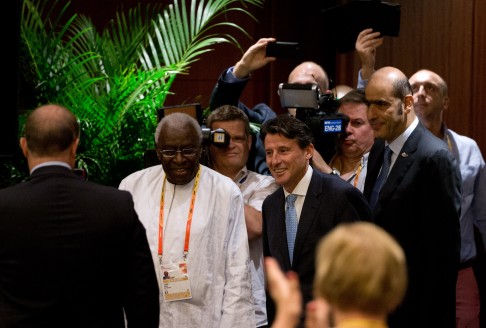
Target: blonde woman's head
{"points": [[360, 267]]}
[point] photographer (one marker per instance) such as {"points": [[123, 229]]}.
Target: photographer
{"points": [[353, 146], [230, 160], [319, 111], [233, 80]]}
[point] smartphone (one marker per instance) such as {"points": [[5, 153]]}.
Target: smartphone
{"points": [[282, 49]]}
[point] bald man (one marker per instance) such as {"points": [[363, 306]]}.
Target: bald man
{"points": [[72, 253], [419, 202], [308, 73], [431, 100]]}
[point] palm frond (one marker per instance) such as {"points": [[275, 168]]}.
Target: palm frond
{"points": [[180, 35], [115, 81]]}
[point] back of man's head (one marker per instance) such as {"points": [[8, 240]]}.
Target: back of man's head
{"points": [[50, 130]]}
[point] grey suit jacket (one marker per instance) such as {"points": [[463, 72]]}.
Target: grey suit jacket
{"points": [[328, 202], [419, 204], [73, 254]]}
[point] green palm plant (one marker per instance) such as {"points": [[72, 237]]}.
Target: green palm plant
{"points": [[115, 81]]}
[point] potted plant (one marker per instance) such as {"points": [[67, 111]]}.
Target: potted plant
{"points": [[115, 80]]}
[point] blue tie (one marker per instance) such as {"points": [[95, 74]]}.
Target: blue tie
{"points": [[291, 224], [381, 177]]}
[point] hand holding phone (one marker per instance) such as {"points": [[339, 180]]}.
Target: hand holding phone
{"points": [[282, 49]]}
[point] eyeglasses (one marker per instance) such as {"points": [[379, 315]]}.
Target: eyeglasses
{"points": [[186, 152]]}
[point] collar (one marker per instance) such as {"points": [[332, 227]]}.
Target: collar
{"points": [[51, 163], [241, 176], [397, 144], [303, 185]]}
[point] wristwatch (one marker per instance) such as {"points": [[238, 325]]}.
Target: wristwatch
{"points": [[334, 172]]}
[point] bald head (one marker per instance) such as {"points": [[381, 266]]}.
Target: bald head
{"points": [[341, 90], [50, 130], [390, 100], [51, 133], [425, 75], [430, 98], [178, 121], [394, 79], [309, 72]]}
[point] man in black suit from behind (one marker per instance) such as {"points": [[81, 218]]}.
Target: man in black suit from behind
{"points": [[419, 203], [323, 201], [72, 253]]}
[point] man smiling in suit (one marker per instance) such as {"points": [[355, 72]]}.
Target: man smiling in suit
{"points": [[419, 202], [321, 201]]}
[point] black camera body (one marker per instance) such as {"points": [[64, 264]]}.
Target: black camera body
{"points": [[325, 119], [318, 111], [219, 137]]}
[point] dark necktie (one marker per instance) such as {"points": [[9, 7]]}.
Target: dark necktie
{"points": [[381, 177], [291, 223]]}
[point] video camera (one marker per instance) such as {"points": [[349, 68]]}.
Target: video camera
{"points": [[318, 111], [219, 137]]}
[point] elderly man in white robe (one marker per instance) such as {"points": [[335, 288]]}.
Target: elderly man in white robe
{"points": [[195, 223]]}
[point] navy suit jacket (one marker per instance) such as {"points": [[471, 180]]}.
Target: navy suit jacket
{"points": [[328, 202], [225, 93], [419, 205], [73, 254]]}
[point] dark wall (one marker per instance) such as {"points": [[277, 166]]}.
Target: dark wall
{"points": [[448, 37], [8, 111]]}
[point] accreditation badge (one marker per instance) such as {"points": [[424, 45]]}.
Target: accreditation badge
{"points": [[175, 281]]}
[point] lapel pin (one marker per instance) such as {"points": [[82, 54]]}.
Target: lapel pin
{"points": [[404, 154]]}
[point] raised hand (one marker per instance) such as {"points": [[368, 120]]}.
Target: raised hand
{"points": [[254, 58], [285, 291], [366, 45]]}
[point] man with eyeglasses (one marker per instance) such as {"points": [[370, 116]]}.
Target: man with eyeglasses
{"points": [[195, 223]]}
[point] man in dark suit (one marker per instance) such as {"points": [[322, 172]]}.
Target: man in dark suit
{"points": [[322, 201], [72, 253], [419, 203]]}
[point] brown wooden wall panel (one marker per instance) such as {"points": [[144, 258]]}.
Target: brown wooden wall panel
{"points": [[478, 66], [285, 20], [448, 37]]}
